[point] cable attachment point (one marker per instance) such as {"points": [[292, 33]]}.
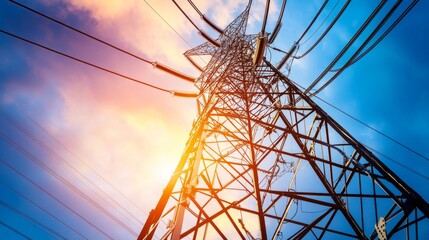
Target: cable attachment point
{"points": [[261, 44]]}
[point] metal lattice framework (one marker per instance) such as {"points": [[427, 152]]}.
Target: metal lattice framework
{"points": [[263, 161]]}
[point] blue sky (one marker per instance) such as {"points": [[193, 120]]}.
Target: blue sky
{"points": [[87, 126]]}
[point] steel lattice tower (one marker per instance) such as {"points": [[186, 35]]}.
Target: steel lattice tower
{"points": [[263, 161]]}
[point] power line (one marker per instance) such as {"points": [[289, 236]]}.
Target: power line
{"points": [[327, 30], [14, 230], [41, 208], [367, 125], [264, 21], [16, 171], [86, 165], [316, 16], [22, 175], [81, 32], [376, 42], [321, 24], [84, 62], [278, 25], [376, 130], [186, 15], [202, 33], [57, 157], [67, 183], [163, 19], [153, 63], [178, 34], [31, 219], [397, 162], [357, 54], [206, 19]]}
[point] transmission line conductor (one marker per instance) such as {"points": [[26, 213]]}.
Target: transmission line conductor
{"points": [[278, 25]]}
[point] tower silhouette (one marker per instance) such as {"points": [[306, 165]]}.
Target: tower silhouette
{"points": [[263, 161]]}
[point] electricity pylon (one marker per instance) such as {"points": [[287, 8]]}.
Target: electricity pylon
{"points": [[263, 161]]}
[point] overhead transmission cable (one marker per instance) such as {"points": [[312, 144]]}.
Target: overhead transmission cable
{"points": [[398, 163], [201, 32], [14, 230], [205, 18], [399, 19], [358, 55], [51, 195], [295, 47], [31, 219], [66, 183], [178, 34], [367, 125], [163, 19], [195, 8], [155, 64], [73, 169], [385, 33], [374, 129], [264, 20], [327, 30], [361, 29], [321, 24], [85, 62], [81, 32], [86, 165], [357, 52], [41, 208], [316, 16], [278, 25]]}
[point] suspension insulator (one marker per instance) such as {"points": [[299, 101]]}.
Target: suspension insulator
{"points": [[194, 63], [173, 72], [211, 24], [208, 38], [176, 93], [261, 44]]}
